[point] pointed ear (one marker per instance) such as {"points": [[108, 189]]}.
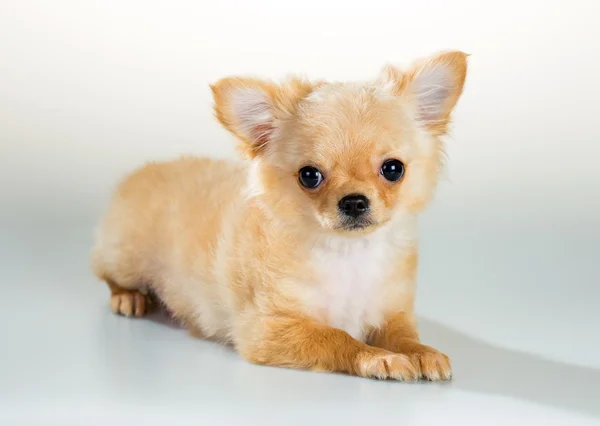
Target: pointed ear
{"points": [[434, 86], [253, 109]]}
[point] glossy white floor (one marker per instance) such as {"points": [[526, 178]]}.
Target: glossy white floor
{"points": [[516, 311]]}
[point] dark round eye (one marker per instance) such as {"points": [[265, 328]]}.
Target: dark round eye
{"points": [[310, 177], [392, 170]]}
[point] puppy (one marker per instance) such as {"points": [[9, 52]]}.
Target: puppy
{"points": [[305, 254]]}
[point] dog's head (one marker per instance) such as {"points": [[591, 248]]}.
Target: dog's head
{"points": [[344, 157]]}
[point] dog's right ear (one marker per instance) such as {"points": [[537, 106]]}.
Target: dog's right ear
{"points": [[253, 109]]}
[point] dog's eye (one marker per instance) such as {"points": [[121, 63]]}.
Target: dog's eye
{"points": [[392, 170], [310, 177]]}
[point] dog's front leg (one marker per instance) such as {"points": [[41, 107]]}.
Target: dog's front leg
{"points": [[399, 334], [286, 341]]}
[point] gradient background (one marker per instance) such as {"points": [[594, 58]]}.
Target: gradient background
{"points": [[509, 282]]}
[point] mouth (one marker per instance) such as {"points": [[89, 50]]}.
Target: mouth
{"points": [[357, 224]]}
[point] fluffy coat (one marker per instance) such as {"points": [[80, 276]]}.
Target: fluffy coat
{"points": [[242, 252]]}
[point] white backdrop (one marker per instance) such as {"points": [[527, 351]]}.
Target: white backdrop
{"points": [[90, 90]]}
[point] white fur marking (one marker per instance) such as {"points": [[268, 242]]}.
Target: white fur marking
{"points": [[351, 272], [254, 186], [315, 96], [350, 292]]}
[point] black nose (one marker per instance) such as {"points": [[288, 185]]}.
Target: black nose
{"points": [[354, 205]]}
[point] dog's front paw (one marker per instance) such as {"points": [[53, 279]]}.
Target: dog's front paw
{"points": [[432, 364], [387, 365]]}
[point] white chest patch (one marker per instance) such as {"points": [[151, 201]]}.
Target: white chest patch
{"points": [[349, 294]]}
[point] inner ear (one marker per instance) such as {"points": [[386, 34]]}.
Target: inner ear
{"points": [[431, 88], [255, 115]]}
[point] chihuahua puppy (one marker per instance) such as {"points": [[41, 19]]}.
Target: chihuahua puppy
{"points": [[305, 254]]}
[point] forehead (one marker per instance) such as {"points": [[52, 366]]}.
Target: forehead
{"points": [[343, 120]]}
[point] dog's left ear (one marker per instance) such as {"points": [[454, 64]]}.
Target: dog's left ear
{"points": [[253, 109], [433, 86]]}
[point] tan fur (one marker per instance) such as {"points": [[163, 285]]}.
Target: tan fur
{"points": [[242, 253]]}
